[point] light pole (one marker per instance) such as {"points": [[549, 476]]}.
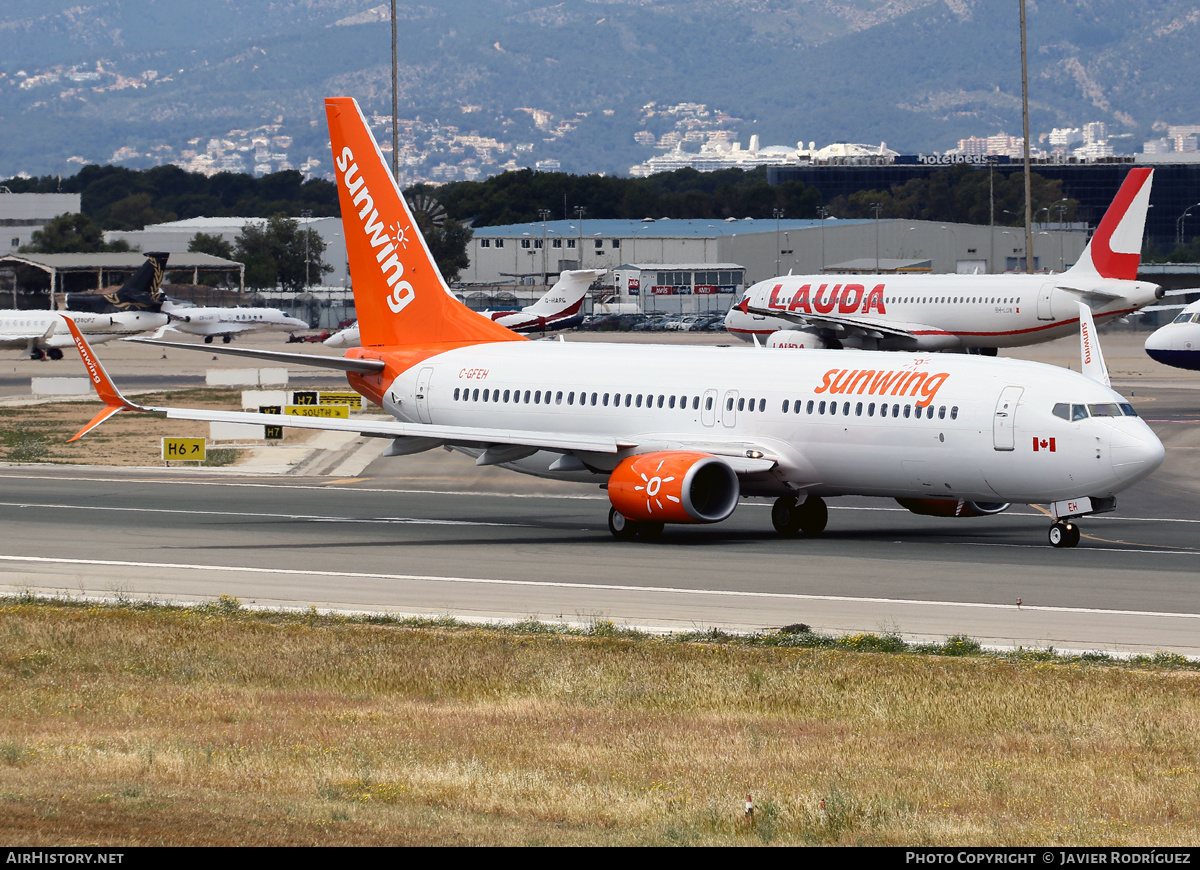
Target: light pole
{"points": [[824, 213], [543, 213], [778, 212], [876, 207], [579, 213], [1180, 223], [307, 215]]}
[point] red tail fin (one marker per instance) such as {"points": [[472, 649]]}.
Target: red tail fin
{"points": [[399, 293], [1116, 249]]}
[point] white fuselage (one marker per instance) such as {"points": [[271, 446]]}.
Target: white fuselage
{"points": [[992, 434], [940, 312], [28, 329], [1178, 343], [232, 321]]}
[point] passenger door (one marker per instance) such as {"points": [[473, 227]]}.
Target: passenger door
{"points": [[1004, 422], [423, 378]]}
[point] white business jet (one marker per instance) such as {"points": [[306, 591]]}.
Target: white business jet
{"points": [[211, 322], [958, 312], [682, 434]]}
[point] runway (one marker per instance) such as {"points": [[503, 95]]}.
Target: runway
{"points": [[432, 534]]}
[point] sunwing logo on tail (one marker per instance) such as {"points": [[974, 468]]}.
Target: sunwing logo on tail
{"points": [[387, 242]]}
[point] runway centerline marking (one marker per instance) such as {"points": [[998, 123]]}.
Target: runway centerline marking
{"points": [[607, 587], [1035, 513], [311, 518]]}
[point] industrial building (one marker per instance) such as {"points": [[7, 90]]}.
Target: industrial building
{"points": [[23, 214], [521, 259], [174, 237]]}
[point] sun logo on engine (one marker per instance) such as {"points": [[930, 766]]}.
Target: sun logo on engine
{"points": [[652, 487]]}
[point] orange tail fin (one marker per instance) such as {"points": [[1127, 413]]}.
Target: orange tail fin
{"points": [[399, 294]]}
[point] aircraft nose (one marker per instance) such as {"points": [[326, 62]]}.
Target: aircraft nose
{"points": [[1135, 453]]}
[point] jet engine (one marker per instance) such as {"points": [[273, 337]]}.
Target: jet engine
{"points": [[674, 487], [796, 338], [952, 507]]}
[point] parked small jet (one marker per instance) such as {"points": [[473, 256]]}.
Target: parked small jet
{"points": [[957, 312], [227, 322]]}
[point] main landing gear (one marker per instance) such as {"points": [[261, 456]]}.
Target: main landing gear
{"points": [[625, 529], [789, 517], [1064, 534]]}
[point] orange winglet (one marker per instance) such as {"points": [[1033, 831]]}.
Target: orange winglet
{"points": [[105, 389]]}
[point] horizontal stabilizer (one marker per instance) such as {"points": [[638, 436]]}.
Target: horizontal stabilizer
{"points": [[337, 363]]}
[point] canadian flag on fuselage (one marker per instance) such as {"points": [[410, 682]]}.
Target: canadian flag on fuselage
{"points": [[399, 295]]}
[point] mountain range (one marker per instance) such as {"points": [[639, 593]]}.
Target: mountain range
{"points": [[143, 82]]}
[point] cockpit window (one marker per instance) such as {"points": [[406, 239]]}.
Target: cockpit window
{"points": [[1128, 409], [1106, 409], [1078, 412], [1062, 409]]}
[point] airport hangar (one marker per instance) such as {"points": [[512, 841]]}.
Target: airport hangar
{"points": [[174, 237], [680, 265]]}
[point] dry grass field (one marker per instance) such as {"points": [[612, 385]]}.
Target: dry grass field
{"points": [[39, 432], [124, 725]]}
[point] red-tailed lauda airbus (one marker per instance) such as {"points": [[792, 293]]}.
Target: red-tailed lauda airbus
{"points": [[681, 434], [958, 312]]}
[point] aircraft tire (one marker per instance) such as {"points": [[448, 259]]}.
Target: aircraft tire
{"points": [[1073, 535], [622, 528], [54, 353], [225, 339], [649, 531], [1064, 534], [785, 516], [814, 515], [208, 339]]}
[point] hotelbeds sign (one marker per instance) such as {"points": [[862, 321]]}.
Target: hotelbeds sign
{"points": [[949, 159]]}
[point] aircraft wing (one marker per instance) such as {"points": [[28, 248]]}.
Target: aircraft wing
{"points": [[837, 322], [457, 435], [744, 457], [337, 363]]}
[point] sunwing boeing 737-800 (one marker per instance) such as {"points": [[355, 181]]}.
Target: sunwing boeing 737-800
{"points": [[958, 312], [680, 435]]}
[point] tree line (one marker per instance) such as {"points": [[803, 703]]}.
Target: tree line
{"points": [[115, 198]]}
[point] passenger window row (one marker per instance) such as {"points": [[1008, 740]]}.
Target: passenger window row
{"points": [[557, 397], [868, 409]]}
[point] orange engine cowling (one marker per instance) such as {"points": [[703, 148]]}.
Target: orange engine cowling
{"points": [[952, 507], [674, 487]]}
